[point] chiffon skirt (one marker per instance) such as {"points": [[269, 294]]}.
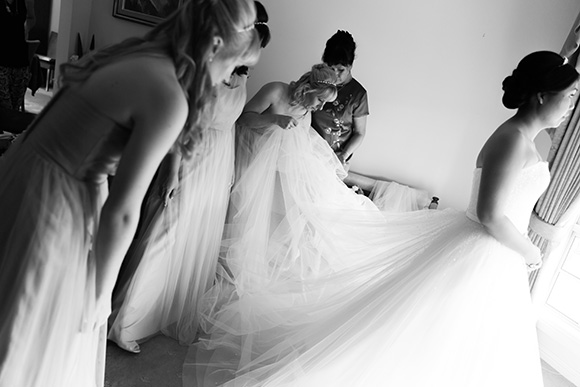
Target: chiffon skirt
{"points": [[319, 288], [172, 262], [50, 334]]}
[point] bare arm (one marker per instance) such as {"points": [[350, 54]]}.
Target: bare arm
{"points": [[502, 160], [169, 175], [256, 113], [157, 110], [359, 129], [30, 17]]}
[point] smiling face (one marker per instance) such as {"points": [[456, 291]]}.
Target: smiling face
{"points": [[558, 105]]}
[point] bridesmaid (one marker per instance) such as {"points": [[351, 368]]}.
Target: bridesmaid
{"points": [[62, 236], [172, 260]]}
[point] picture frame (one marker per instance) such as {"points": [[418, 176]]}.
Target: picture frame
{"points": [[148, 12]]}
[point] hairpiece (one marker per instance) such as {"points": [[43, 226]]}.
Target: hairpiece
{"points": [[247, 28], [565, 62], [326, 82]]}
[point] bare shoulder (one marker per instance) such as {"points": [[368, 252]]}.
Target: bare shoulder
{"points": [[136, 86], [505, 146], [274, 89]]}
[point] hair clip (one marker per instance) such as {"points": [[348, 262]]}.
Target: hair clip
{"points": [[326, 82], [565, 62], [247, 28]]}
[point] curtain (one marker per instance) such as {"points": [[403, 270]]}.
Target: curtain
{"points": [[559, 207]]}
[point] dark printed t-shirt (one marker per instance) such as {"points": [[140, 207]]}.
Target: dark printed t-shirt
{"points": [[335, 121]]}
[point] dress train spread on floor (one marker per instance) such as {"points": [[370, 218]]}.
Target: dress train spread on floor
{"points": [[318, 287]]}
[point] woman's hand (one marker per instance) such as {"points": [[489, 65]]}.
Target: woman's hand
{"points": [[168, 187], [169, 176], [534, 258], [286, 122]]}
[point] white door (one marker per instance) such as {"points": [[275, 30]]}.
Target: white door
{"points": [[557, 296]]}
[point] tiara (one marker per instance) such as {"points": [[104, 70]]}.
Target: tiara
{"points": [[247, 28], [260, 22], [326, 82]]}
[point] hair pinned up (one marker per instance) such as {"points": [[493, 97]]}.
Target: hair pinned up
{"points": [[261, 24], [340, 49], [541, 71]]}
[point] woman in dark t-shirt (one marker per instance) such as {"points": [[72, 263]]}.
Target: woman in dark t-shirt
{"points": [[342, 123]]}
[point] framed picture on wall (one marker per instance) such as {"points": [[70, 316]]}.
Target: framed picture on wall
{"points": [[148, 12]]}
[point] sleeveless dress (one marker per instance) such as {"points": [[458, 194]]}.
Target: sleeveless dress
{"points": [[428, 298], [54, 182], [174, 256]]}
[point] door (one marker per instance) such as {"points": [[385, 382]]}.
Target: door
{"points": [[557, 295]]}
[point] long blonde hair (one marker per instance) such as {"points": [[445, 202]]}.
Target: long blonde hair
{"points": [[186, 37]]}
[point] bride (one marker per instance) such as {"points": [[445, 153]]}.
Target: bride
{"points": [[338, 294]]}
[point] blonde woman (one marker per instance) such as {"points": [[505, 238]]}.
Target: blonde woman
{"points": [[62, 236]]}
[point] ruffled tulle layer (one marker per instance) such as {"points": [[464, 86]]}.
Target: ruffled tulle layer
{"points": [[448, 307], [318, 287], [173, 260], [48, 325]]}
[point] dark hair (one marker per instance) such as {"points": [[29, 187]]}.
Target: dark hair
{"points": [[261, 26], [340, 49], [541, 71], [242, 70]]}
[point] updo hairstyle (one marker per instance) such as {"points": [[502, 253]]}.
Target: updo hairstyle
{"points": [[340, 49], [541, 71]]}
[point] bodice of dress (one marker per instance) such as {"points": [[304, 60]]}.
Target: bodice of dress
{"points": [[530, 184], [229, 104], [72, 134]]}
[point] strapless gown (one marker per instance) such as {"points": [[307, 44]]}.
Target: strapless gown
{"points": [[425, 298], [173, 259], [53, 184]]}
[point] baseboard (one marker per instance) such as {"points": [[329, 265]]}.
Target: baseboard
{"points": [[559, 345]]}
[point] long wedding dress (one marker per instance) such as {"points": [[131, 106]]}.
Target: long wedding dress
{"points": [[172, 263], [319, 288]]}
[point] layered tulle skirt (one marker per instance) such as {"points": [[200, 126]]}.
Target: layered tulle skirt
{"points": [[172, 262], [317, 287], [50, 334]]}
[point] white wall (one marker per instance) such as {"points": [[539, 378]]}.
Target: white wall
{"points": [[433, 70], [108, 29]]}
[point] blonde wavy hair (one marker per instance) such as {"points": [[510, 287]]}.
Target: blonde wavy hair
{"points": [[186, 37], [321, 79]]}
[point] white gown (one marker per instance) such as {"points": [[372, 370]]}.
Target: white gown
{"points": [[319, 289], [172, 263]]}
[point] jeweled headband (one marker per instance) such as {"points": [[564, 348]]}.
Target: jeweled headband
{"points": [[251, 26], [326, 82]]}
